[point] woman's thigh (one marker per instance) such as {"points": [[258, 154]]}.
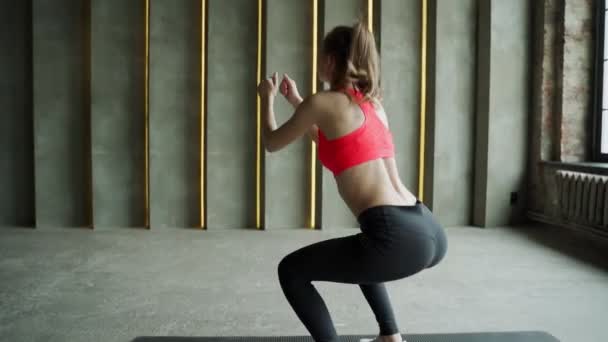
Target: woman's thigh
{"points": [[358, 259]]}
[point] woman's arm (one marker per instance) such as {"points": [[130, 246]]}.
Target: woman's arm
{"points": [[313, 132], [289, 89], [305, 116]]}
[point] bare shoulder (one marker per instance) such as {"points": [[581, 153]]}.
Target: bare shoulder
{"points": [[333, 101], [317, 103], [326, 99], [326, 104]]}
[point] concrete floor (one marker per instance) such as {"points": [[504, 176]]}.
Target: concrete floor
{"points": [[117, 284]]}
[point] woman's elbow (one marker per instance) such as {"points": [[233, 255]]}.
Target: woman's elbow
{"points": [[270, 148]]}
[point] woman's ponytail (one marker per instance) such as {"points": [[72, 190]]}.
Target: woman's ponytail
{"points": [[362, 68], [354, 50]]}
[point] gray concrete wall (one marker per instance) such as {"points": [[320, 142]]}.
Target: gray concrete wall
{"points": [[542, 144], [577, 81], [342, 12], [400, 60], [562, 78], [17, 206], [117, 110], [451, 110], [175, 113], [505, 119], [287, 173], [471, 97], [231, 134], [482, 121], [61, 141], [333, 210], [509, 111]]}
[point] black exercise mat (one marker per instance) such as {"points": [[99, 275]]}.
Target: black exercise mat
{"points": [[506, 336]]}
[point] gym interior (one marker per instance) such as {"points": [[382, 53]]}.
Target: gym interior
{"points": [[137, 201]]}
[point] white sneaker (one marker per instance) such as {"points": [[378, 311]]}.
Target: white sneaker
{"points": [[373, 340]]}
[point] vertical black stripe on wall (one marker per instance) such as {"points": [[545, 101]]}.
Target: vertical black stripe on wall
{"points": [[204, 101], [29, 114], [86, 110]]}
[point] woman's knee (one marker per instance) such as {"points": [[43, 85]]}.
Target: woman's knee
{"points": [[287, 267], [283, 267]]}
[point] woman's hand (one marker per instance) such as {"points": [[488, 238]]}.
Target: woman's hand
{"points": [[268, 87], [290, 91]]}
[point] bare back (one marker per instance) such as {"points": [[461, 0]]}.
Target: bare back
{"points": [[375, 182]]}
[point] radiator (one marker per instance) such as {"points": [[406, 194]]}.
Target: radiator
{"points": [[583, 198]]}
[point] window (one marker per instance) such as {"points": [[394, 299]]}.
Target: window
{"points": [[600, 120]]}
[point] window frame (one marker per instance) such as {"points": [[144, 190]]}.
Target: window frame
{"points": [[596, 122]]}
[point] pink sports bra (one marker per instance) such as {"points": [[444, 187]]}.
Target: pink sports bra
{"points": [[371, 140]]}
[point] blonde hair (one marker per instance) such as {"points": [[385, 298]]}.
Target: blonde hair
{"points": [[356, 56]]}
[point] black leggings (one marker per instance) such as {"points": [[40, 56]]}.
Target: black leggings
{"points": [[395, 242]]}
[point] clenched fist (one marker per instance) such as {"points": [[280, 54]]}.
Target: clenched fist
{"points": [[269, 87], [290, 90]]}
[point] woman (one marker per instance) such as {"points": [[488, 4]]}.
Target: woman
{"points": [[399, 236]]}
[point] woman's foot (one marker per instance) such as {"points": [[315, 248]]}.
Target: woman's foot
{"points": [[385, 338]]}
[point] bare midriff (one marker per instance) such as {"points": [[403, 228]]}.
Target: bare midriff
{"points": [[369, 184]]}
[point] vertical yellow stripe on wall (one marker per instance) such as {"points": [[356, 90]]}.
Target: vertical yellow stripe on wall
{"points": [[203, 223], [146, 115], [258, 149], [422, 100], [370, 15], [313, 157]]}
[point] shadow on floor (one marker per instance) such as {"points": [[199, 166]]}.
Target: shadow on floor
{"points": [[577, 245]]}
